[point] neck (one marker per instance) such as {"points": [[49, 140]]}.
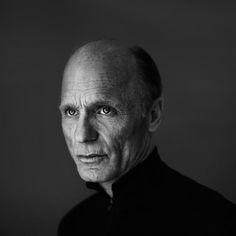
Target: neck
{"points": [[107, 186]]}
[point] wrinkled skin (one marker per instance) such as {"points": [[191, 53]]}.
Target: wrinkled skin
{"points": [[101, 114]]}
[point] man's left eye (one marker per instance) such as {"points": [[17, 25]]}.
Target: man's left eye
{"points": [[105, 110]]}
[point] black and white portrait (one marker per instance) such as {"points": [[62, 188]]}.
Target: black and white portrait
{"points": [[118, 117]]}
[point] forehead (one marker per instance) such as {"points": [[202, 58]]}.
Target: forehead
{"points": [[85, 74], [96, 80]]}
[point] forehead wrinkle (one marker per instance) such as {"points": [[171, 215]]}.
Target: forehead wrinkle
{"points": [[100, 90], [91, 97], [106, 93]]}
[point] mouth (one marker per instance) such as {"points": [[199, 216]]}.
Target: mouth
{"points": [[92, 159]]}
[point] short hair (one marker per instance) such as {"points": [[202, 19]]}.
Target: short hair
{"points": [[150, 79]]}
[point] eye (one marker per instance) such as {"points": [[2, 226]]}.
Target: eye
{"points": [[70, 112], [106, 110]]}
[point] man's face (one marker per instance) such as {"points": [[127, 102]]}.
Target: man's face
{"points": [[101, 121]]}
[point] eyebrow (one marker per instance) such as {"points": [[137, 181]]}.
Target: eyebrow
{"points": [[93, 104], [62, 107]]}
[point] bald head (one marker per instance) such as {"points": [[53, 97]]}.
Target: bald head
{"points": [[105, 51], [122, 64]]}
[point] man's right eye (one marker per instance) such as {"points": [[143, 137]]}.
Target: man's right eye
{"points": [[71, 112]]}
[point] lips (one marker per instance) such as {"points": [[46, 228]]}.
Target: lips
{"points": [[91, 158]]}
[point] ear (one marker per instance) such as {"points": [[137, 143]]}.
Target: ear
{"points": [[155, 115]]}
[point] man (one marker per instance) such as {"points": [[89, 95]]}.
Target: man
{"points": [[111, 104]]}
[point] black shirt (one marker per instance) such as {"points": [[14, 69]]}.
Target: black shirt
{"points": [[151, 198]]}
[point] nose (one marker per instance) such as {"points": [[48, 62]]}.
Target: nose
{"points": [[85, 132]]}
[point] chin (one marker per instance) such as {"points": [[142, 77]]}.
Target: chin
{"points": [[95, 175], [92, 175]]}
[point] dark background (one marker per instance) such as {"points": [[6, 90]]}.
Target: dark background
{"points": [[193, 43]]}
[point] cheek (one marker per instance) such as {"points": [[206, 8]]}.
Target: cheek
{"points": [[68, 131], [134, 136], [115, 132]]}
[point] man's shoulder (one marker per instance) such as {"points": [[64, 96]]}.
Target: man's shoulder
{"points": [[192, 200], [191, 191], [182, 203]]}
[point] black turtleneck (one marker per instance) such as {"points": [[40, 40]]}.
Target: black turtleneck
{"points": [[151, 198]]}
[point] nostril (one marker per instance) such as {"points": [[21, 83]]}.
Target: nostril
{"points": [[85, 133]]}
